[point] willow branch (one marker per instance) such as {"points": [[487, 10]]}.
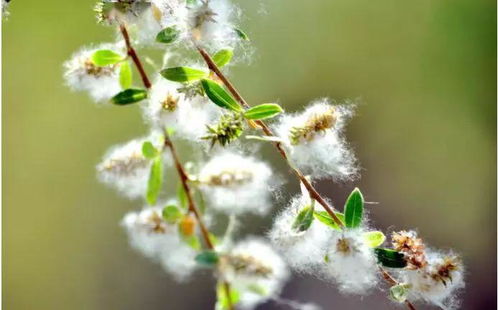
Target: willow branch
{"points": [[268, 132], [278, 145], [179, 168], [133, 54]]}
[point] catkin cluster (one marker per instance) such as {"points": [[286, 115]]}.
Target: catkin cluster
{"points": [[186, 98]]}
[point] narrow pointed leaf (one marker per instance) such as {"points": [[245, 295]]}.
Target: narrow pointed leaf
{"points": [[148, 150], [390, 258], [125, 75], [219, 96], [262, 111], [207, 258], [172, 214], [223, 302], [326, 219], [168, 35], [374, 238], [304, 219], [223, 57], [241, 34], [353, 210], [106, 57], [183, 74], [155, 180], [130, 95]]}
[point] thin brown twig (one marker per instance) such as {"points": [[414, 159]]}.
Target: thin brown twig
{"points": [[267, 131], [133, 54], [389, 279], [179, 168]]}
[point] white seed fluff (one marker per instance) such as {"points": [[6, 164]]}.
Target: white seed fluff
{"points": [[126, 169], [150, 235], [304, 251], [255, 270], [435, 288], [187, 116], [315, 143], [351, 263], [236, 184], [211, 23], [101, 83]]}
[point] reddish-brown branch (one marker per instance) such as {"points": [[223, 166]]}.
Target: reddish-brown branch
{"points": [[179, 168], [133, 54]]}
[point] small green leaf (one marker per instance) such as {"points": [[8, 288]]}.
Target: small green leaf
{"points": [[241, 34], [148, 150], [222, 298], [168, 35], [125, 75], [262, 111], [130, 95], [183, 74], [106, 57], [399, 292], [172, 214], [193, 242], [353, 210], [214, 240], [304, 219], [219, 96], [374, 238], [326, 219], [390, 258], [222, 57], [257, 289], [155, 180], [207, 258]]}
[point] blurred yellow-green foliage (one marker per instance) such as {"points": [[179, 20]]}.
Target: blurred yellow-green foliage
{"points": [[425, 135]]}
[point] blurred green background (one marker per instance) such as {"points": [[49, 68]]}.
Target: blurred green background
{"points": [[425, 135]]}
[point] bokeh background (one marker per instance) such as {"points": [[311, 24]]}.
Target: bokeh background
{"points": [[425, 135]]}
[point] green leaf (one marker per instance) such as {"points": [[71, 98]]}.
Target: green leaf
{"points": [[183, 74], [106, 57], [262, 111], [168, 35], [222, 57], [257, 289], [390, 258], [207, 258], [130, 95], [182, 196], [155, 180], [353, 210], [172, 214], [214, 240], [148, 150], [193, 242], [374, 238], [399, 292], [219, 96], [304, 219], [222, 298], [326, 219], [125, 75], [241, 34]]}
